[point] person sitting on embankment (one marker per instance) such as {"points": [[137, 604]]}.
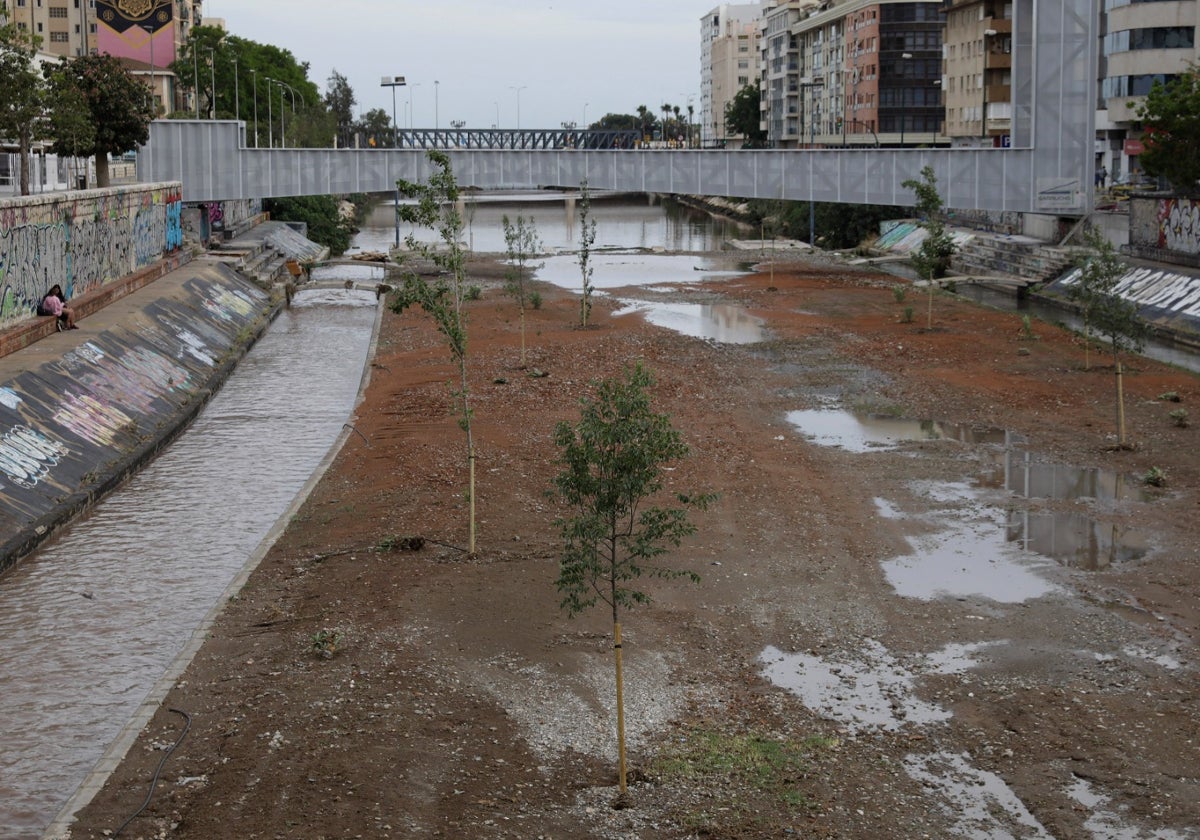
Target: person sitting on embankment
{"points": [[54, 303]]}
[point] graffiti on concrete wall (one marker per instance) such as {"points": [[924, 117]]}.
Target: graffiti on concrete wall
{"points": [[81, 241], [1179, 225], [27, 455]]}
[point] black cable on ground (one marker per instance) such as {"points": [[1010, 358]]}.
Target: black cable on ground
{"points": [[154, 782]]}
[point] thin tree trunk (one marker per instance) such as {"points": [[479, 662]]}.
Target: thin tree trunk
{"points": [[1120, 406], [620, 708]]}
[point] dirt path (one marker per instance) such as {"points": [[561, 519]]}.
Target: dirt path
{"points": [[462, 703]]}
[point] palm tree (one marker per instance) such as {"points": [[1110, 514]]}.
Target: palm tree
{"points": [[666, 109], [691, 122], [643, 118]]}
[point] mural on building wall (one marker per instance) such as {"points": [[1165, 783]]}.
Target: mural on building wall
{"points": [[139, 29], [1179, 225], [82, 243]]}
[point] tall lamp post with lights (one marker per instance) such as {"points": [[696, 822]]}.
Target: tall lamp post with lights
{"points": [[254, 85], [812, 83], [393, 82], [518, 89]]}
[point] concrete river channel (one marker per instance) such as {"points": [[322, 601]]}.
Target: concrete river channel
{"points": [[95, 618]]}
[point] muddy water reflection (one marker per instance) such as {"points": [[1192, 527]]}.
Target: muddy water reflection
{"points": [[857, 432], [721, 322], [92, 620]]}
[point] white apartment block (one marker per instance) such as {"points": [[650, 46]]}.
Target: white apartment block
{"points": [[728, 62]]}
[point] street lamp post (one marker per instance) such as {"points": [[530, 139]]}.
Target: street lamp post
{"points": [[153, 100], [196, 77], [237, 102], [212, 81], [412, 113], [254, 84], [270, 116], [812, 84], [393, 82], [518, 89], [436, 121], [497, 125], [585, 124]]}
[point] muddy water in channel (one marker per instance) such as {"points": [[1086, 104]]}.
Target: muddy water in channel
{"points": [[92, 620]]}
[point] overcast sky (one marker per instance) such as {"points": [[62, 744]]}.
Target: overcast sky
{"points": [[572, 58]]}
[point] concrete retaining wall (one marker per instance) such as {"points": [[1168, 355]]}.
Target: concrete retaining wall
{"points": [[78, 418], [82, 240], [1165, 229]]}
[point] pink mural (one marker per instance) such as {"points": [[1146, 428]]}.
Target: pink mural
{"points": [[143, 30]]}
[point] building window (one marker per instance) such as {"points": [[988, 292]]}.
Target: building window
{"points": [[58, 11], [58, 37], [1154, 38], [1115, 86]]}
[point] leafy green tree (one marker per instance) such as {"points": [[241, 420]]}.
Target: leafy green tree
{"points": [[617, 122], [587, 236], [1113, 317], [376, 128], [1171, 114], [321, 213], [22, 93], [932, 258], [742, 118], [613, 461], [444, 296], [837, 225], [69, 122], [646, 122], [522, 242], [339, 100], [118, 106]]}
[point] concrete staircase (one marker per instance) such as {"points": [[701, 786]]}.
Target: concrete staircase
{"points": [[1019, 256]]}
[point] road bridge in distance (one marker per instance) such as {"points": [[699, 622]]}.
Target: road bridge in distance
{"points": [[1048, 168]]}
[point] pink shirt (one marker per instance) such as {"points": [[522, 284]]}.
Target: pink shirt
{"points": [[53, 305]]}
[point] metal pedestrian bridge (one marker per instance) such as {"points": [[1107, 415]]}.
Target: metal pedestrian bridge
{"points": [[1048, 169]]}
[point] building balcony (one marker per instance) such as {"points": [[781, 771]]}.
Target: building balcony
{"points": [[997, 60], [1001, 26]]}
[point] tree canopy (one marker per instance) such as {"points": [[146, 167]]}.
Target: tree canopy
{"points": [[118, 106], [1171, 114], [22, 94], [742, 117]]}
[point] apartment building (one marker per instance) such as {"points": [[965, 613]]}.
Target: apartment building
{"points": [[977, 81], [865, 73], [65, 27], [779, 72], [1143, 42], [728, 62]]}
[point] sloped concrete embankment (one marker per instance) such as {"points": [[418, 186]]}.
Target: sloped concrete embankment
{"points": [[75, 423]]}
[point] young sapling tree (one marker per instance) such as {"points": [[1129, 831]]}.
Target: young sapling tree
{"points": [[587, 236], [443, 296], [932, 258], [614, 533], [522, 241]]}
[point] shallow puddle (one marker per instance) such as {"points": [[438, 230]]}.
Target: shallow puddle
{"points": [[980, 803], [1076, 540], [1017, 472], [857, 432], [721, 322], [968, 559], [865, 691], [617, 270]]}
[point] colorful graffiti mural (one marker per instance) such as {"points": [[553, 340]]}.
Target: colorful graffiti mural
{"points": [[82, 243], [1179, 225], [138, 29]]}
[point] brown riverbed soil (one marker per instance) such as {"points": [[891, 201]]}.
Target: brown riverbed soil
{"points": [[460, 701]]}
